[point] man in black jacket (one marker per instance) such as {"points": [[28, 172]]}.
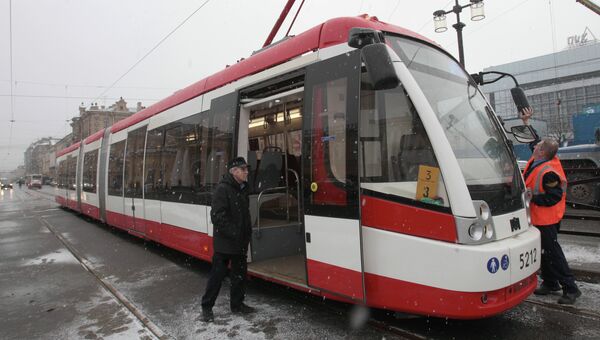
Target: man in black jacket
{"points": [[232, 229]]}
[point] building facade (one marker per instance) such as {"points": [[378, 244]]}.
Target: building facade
{"points": [[98, 117], [40, 156], [36, 156], [557, 86]]}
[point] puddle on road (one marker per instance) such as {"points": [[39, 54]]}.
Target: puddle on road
{"points": [[8, 224], [59, 256]]}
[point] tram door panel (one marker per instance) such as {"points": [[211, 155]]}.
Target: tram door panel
{"points": [[330, 172], [133, 179]]}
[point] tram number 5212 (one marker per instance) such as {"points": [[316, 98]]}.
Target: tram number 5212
{"points": [[528, 258]]}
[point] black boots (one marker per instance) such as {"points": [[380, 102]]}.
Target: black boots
{"points": [[207, 315], [545, 290], [242, 309], [569, 298]]}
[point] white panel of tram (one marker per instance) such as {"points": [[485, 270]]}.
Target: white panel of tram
{"points": [[114, 204], [188, 216], [446, 265], [334, 241], [152, 210], [502, 225]]}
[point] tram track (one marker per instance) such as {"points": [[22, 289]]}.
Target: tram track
{"points": [[111, 289], [565, 308], [580, 233]]}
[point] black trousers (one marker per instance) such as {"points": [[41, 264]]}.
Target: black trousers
{"points": [[555, 268], [237, 276]]}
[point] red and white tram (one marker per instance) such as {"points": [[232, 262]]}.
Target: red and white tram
{"points": [[398, 193]]}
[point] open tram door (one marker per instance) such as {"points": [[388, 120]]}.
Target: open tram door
{"points": [[273, 110], [332, 225]]}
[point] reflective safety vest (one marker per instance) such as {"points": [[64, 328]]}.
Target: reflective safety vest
{"points": [[541, 215]]}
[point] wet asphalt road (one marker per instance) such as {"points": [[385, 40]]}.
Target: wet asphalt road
{"points": [[47, 293]]}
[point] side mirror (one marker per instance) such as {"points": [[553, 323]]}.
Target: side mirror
{"points": [[359, 37], [519, 98], [523, 133], [380, 66]]}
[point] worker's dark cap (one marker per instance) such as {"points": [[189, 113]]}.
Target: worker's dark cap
{"points": [[238, 162]]}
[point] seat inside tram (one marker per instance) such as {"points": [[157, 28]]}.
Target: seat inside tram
{"points": [[274, 157]]}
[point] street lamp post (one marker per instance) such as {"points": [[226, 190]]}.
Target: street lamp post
{"points": [[439, 21]]}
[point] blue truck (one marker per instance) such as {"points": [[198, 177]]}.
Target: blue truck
{"points": [[581, 159]]}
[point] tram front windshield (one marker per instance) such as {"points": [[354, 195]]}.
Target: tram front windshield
{"points": [[485, 160]]}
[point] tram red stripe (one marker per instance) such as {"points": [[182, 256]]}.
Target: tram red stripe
{"points": [[335, 279], [401, 218], [90, 210], [188, 241], [61, 200], [191, 242], [115, 219], [71, 204], [392, 294]]}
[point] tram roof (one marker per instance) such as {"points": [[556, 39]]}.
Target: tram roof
{"points": [[332, 32], [94, 137], [69, 149]]}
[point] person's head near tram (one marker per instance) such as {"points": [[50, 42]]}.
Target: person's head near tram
{"points": [[545, 177], [238, 168], [232, 229]]}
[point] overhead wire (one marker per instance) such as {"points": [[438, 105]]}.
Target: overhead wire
{"points": [[12, 96], [556, 89], [394, 10], [12, 107], [69, 97], [17, 81], [151, 50]]}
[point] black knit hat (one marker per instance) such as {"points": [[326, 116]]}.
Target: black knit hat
{"points": [[237, 162]]}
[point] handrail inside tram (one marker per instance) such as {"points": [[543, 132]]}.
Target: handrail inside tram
{"points": [[276, 189]]}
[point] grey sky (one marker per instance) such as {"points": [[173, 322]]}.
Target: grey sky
{"points": [[65, 52]]}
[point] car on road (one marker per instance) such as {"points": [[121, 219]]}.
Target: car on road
{"points": [[34, 181], [5, 183]]}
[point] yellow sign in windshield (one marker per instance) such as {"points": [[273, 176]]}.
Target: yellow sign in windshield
{"points": [[427, 183]]}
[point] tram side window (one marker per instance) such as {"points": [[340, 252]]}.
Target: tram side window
{"points": [[329, 149], [90, 169], [394, 143], [153, 183], [71, 172], [134, 161], [183, 159], [62, 174], [115, 169], [220, 145]]}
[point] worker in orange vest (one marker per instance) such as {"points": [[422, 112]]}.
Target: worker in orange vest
{"points": [[544, 175]]}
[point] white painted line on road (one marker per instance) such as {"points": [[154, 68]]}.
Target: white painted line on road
{"points": [[156, 331]]}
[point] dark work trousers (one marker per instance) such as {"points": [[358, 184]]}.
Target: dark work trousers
{"points": [[555, 268], [218, 272]]}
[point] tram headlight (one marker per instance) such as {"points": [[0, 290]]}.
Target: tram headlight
{"points": [[476, 231], [527, 196], [484, 211], [488, 231]]}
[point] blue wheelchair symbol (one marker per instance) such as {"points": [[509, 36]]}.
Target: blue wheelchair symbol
{"points": [[493, 265], [504, 262]]}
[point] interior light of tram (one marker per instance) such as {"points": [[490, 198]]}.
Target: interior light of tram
{"points": [[294, 114]]}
